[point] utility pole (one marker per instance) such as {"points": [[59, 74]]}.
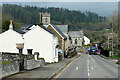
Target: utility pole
{"points": [[112, 38], [108, 40]]}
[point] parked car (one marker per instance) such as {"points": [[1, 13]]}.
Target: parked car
{"points": [[92, 50]]}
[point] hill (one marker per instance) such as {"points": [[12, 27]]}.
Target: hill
{"points": [[75, 19]]}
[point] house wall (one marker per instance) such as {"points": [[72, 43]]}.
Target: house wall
{"points": [[87, 41], [8, 41], [55, 43], [79, 41], [40, 41]]}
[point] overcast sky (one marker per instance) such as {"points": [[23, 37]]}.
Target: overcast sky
{"points": [[59, 0], [102, 8]]}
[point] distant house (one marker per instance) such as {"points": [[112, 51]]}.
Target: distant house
{"points": [[41, 40], [77, 37], [86, 40], [62, 39], [9, 39]]}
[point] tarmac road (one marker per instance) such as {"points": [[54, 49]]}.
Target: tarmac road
{"points": [[90, 67]]}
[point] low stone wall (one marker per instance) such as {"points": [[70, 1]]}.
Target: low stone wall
{"points": [[31, 64], [8, 69], [9, 64]]}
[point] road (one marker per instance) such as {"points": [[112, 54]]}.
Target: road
{"points": [[90, 67]]}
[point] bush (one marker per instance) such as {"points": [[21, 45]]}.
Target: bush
{"points": [[109, 49]]}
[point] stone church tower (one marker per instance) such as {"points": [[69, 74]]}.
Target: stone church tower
{"points": [[45, 18]]}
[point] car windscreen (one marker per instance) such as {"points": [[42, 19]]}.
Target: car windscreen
{"points": [[93, 48]]}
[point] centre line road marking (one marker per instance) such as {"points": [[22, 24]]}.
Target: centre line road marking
{"points": [[88, 74], [88, 61], [88, 70], [66, 67], [91, 67], [76, 68], [93, 59]]}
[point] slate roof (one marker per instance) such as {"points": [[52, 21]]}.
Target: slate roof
{"points": [[63, 28], [76, 34], [19, 31], [47, 30], [59, 31], [29, 26]]}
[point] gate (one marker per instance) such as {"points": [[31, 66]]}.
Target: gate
{"points": [[21, 64]]}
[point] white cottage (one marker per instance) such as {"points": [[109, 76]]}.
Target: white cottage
{"points": [[41, 40], [9, 39], [86, 40]]}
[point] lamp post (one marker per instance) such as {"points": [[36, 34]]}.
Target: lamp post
{"points": [[20, 47]]}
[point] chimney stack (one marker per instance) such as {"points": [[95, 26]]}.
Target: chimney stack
{"points": [[11, 25]]}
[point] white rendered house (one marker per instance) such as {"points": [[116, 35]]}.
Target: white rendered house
{"points": [[86, 40], [9, 39], [41, 40]]}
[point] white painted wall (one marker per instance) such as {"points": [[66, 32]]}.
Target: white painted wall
{"points": [[86, 40], [8, 41], [40, 41], [79, 41]]}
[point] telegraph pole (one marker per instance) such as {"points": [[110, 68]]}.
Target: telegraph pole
{"points": [[112, 38], [108, 40]]}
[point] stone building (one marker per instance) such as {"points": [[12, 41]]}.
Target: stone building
{"points": [[77, 37], [45, 18]]}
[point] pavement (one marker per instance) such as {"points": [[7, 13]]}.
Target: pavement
{"points": [[47, 71], [90, 67]]}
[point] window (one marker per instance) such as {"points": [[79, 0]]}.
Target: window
{"points": [[29, 51], [46, 20]]}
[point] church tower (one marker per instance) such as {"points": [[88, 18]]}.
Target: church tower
{"points": [[45, 18]]}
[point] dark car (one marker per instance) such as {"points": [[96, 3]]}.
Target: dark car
{"points": [[92, 50]]}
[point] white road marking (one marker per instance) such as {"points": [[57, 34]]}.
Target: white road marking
{"points": [[91, 67], [93, 59], [88, 74], [88, 70], [76, 68], [88, 61], [88, 64]]}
